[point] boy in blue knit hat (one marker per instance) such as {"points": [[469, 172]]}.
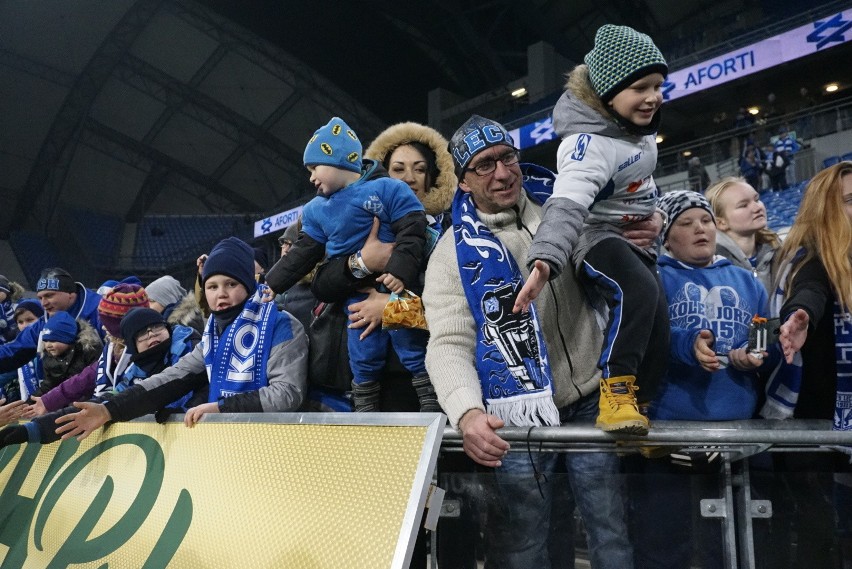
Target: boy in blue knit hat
{"points": [[608, 119], [351, 192]]}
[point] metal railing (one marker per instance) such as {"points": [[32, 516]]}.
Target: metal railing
{"points": [[734, 506]]}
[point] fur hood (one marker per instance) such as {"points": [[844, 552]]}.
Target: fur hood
{"points": [[187, 313], [88, 338], [438, 198]]}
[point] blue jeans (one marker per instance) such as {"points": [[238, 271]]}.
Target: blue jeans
{"points": [[520, 508], [367, 357]]}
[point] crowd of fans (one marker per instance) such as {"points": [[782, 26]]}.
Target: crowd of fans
{"points": [[551, 298]]}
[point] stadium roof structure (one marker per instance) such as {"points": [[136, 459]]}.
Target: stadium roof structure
{"points": [[130, 107]]}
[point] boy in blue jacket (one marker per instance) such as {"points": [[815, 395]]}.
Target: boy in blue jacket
{"points": [[336, 223]]}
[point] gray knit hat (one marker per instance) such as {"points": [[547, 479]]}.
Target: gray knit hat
{"points": [[677, 202], [165, 290], [621, 55]]}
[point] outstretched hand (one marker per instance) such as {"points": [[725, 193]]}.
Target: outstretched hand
{"points": [[37, 409], [794, 332], [89, 418], [532, 288], [11, 411]]}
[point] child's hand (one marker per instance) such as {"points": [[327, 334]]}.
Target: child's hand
{"points": [[268, 294], [11, 411], [392, 283], [194, 415], [37, 409], [532, 288], [744, 360], [90, 417], [199, 262], [704, 352]]}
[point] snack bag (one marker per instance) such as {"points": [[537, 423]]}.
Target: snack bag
{"points": [[404, 310]]}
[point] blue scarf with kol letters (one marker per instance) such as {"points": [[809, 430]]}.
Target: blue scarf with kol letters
{"points": [[513, 368], [236, 362]]}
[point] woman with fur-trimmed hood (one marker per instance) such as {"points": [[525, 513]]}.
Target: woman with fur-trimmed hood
{"points": [[430, 161], [417, 155]]}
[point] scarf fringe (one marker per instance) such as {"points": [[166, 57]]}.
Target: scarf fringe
{"points": [[527, 410]]}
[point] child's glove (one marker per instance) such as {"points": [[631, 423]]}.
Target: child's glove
{"points": [[13, 435]]}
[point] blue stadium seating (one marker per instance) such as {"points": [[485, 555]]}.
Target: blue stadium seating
{"points": [[98, 234], [831, 161], [163, 241], [34, 251], [781, 207]]}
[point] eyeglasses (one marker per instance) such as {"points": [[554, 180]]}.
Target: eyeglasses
{"points": [[151, 330], [488, 165]]}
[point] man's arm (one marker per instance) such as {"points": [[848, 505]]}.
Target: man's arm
{"points": [[21, 350]]}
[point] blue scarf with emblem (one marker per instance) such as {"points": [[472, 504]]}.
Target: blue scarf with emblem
{"points": [[513, 368], [236, 362]]}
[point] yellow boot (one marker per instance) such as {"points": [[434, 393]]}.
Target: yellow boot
{"points": [[618, 411]]}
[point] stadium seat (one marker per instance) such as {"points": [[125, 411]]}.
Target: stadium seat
{"points": [[831, 161]]}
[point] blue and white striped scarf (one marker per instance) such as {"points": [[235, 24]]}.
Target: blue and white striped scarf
{"points": [[236, 362], [511, 354]]}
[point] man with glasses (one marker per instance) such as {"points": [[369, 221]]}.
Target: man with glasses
{"points": [[58, 292], [493, 368]]}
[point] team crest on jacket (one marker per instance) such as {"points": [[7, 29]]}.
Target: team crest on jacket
{"points": [[374, 205], [580, 148]]}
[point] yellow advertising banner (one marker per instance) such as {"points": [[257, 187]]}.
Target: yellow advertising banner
{"points": [[314, 490]]}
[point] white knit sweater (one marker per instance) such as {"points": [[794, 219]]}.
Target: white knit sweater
{"points": [[568, 322]]}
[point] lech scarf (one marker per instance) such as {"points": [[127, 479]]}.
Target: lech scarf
{"points": [[513, 368], [236, 362]]}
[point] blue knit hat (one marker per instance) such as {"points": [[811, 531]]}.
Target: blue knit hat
{"points": [[234, 258], [676, 202], [135, 321], [30, 305], [61, 327], [620, 57], [475, 135], [335, 144]]}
